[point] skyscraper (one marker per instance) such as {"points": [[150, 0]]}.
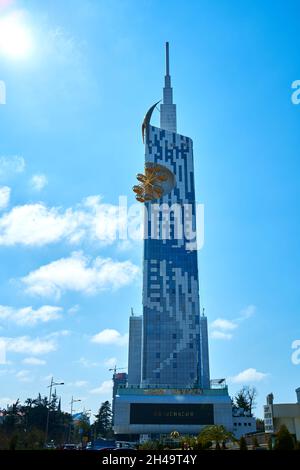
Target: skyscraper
{"points": [[168, 372], [173, 343], [135, 350]]}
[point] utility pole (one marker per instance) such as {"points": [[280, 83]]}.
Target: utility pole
{"points": [[71, 422], [52, 383]]}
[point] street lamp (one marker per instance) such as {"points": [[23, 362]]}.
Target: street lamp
{"points": [[71, 403], [52, 383]]}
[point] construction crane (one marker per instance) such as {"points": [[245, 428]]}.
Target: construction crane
{"points": [[114, 369]]}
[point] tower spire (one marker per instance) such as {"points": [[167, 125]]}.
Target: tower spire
{"points": [[168, 108], [167, 59]]}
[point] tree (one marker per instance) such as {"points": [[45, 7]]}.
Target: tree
{"points": [[216, 433], [269, 443], [255, 443], [297, 445], [190, 442], [284, 440], [30, 402], [260, 425], [251, 394], [245, 399], [240, 400], [243, 443], [23, 426], [103, 424]]}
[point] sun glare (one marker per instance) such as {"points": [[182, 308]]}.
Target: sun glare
{"points": [[15, 37]]}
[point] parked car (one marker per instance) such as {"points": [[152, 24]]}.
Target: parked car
{"points": [[69, 447], [101, 444], [50, 445]]}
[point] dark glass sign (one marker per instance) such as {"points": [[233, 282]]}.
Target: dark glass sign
{"points": [[149, 413]]}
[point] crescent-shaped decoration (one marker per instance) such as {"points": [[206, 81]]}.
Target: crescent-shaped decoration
{"points": [[147, 118]]}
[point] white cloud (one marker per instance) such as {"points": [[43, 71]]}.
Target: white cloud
{"points": [[4, 401], [77, 273], [10, 165], [62, 48], [58, 333], [104, 219], [110, 362], [247, 312], [79, 383], [73, 310], [35, 225], [27, 316], [110, 336], [220, 327], [26, 345], [4, 196], [24, 376], [249, 375], [34, 361], [87, 363], [38, 182], [38, 225], [125, 245], [223, 324], [104, 389], [47, 378], [220, 335]]}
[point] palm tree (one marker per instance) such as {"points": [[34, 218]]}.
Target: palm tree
{"points": [[174, 435], [217, 434], [29, 402]]}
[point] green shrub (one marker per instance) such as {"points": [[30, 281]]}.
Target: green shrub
{"points": [[243, 443], [284, 440]]}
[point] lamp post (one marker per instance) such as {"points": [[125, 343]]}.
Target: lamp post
{"points": [[71, 403], [87, 414], [52, 383]]}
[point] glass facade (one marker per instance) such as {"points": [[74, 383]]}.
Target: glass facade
{"points": [[171, 413], [172, 339], [173, 335], [135, 350]]}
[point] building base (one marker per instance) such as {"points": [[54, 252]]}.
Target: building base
{"points": [[153, 413]]}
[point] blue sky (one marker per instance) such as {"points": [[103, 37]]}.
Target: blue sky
{"points": [[71, 145]]}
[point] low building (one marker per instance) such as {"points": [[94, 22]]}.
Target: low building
{"points": [[243, 425], [154, 413], [277, 414], [119, 380]]}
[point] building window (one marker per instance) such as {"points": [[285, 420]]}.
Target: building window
{"points": [[157, 355], [240, 424], [174, 335], [235, 424], [245, 424], [249, 424]]}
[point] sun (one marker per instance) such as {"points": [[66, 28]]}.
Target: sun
{"points": [[16, 39]]}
